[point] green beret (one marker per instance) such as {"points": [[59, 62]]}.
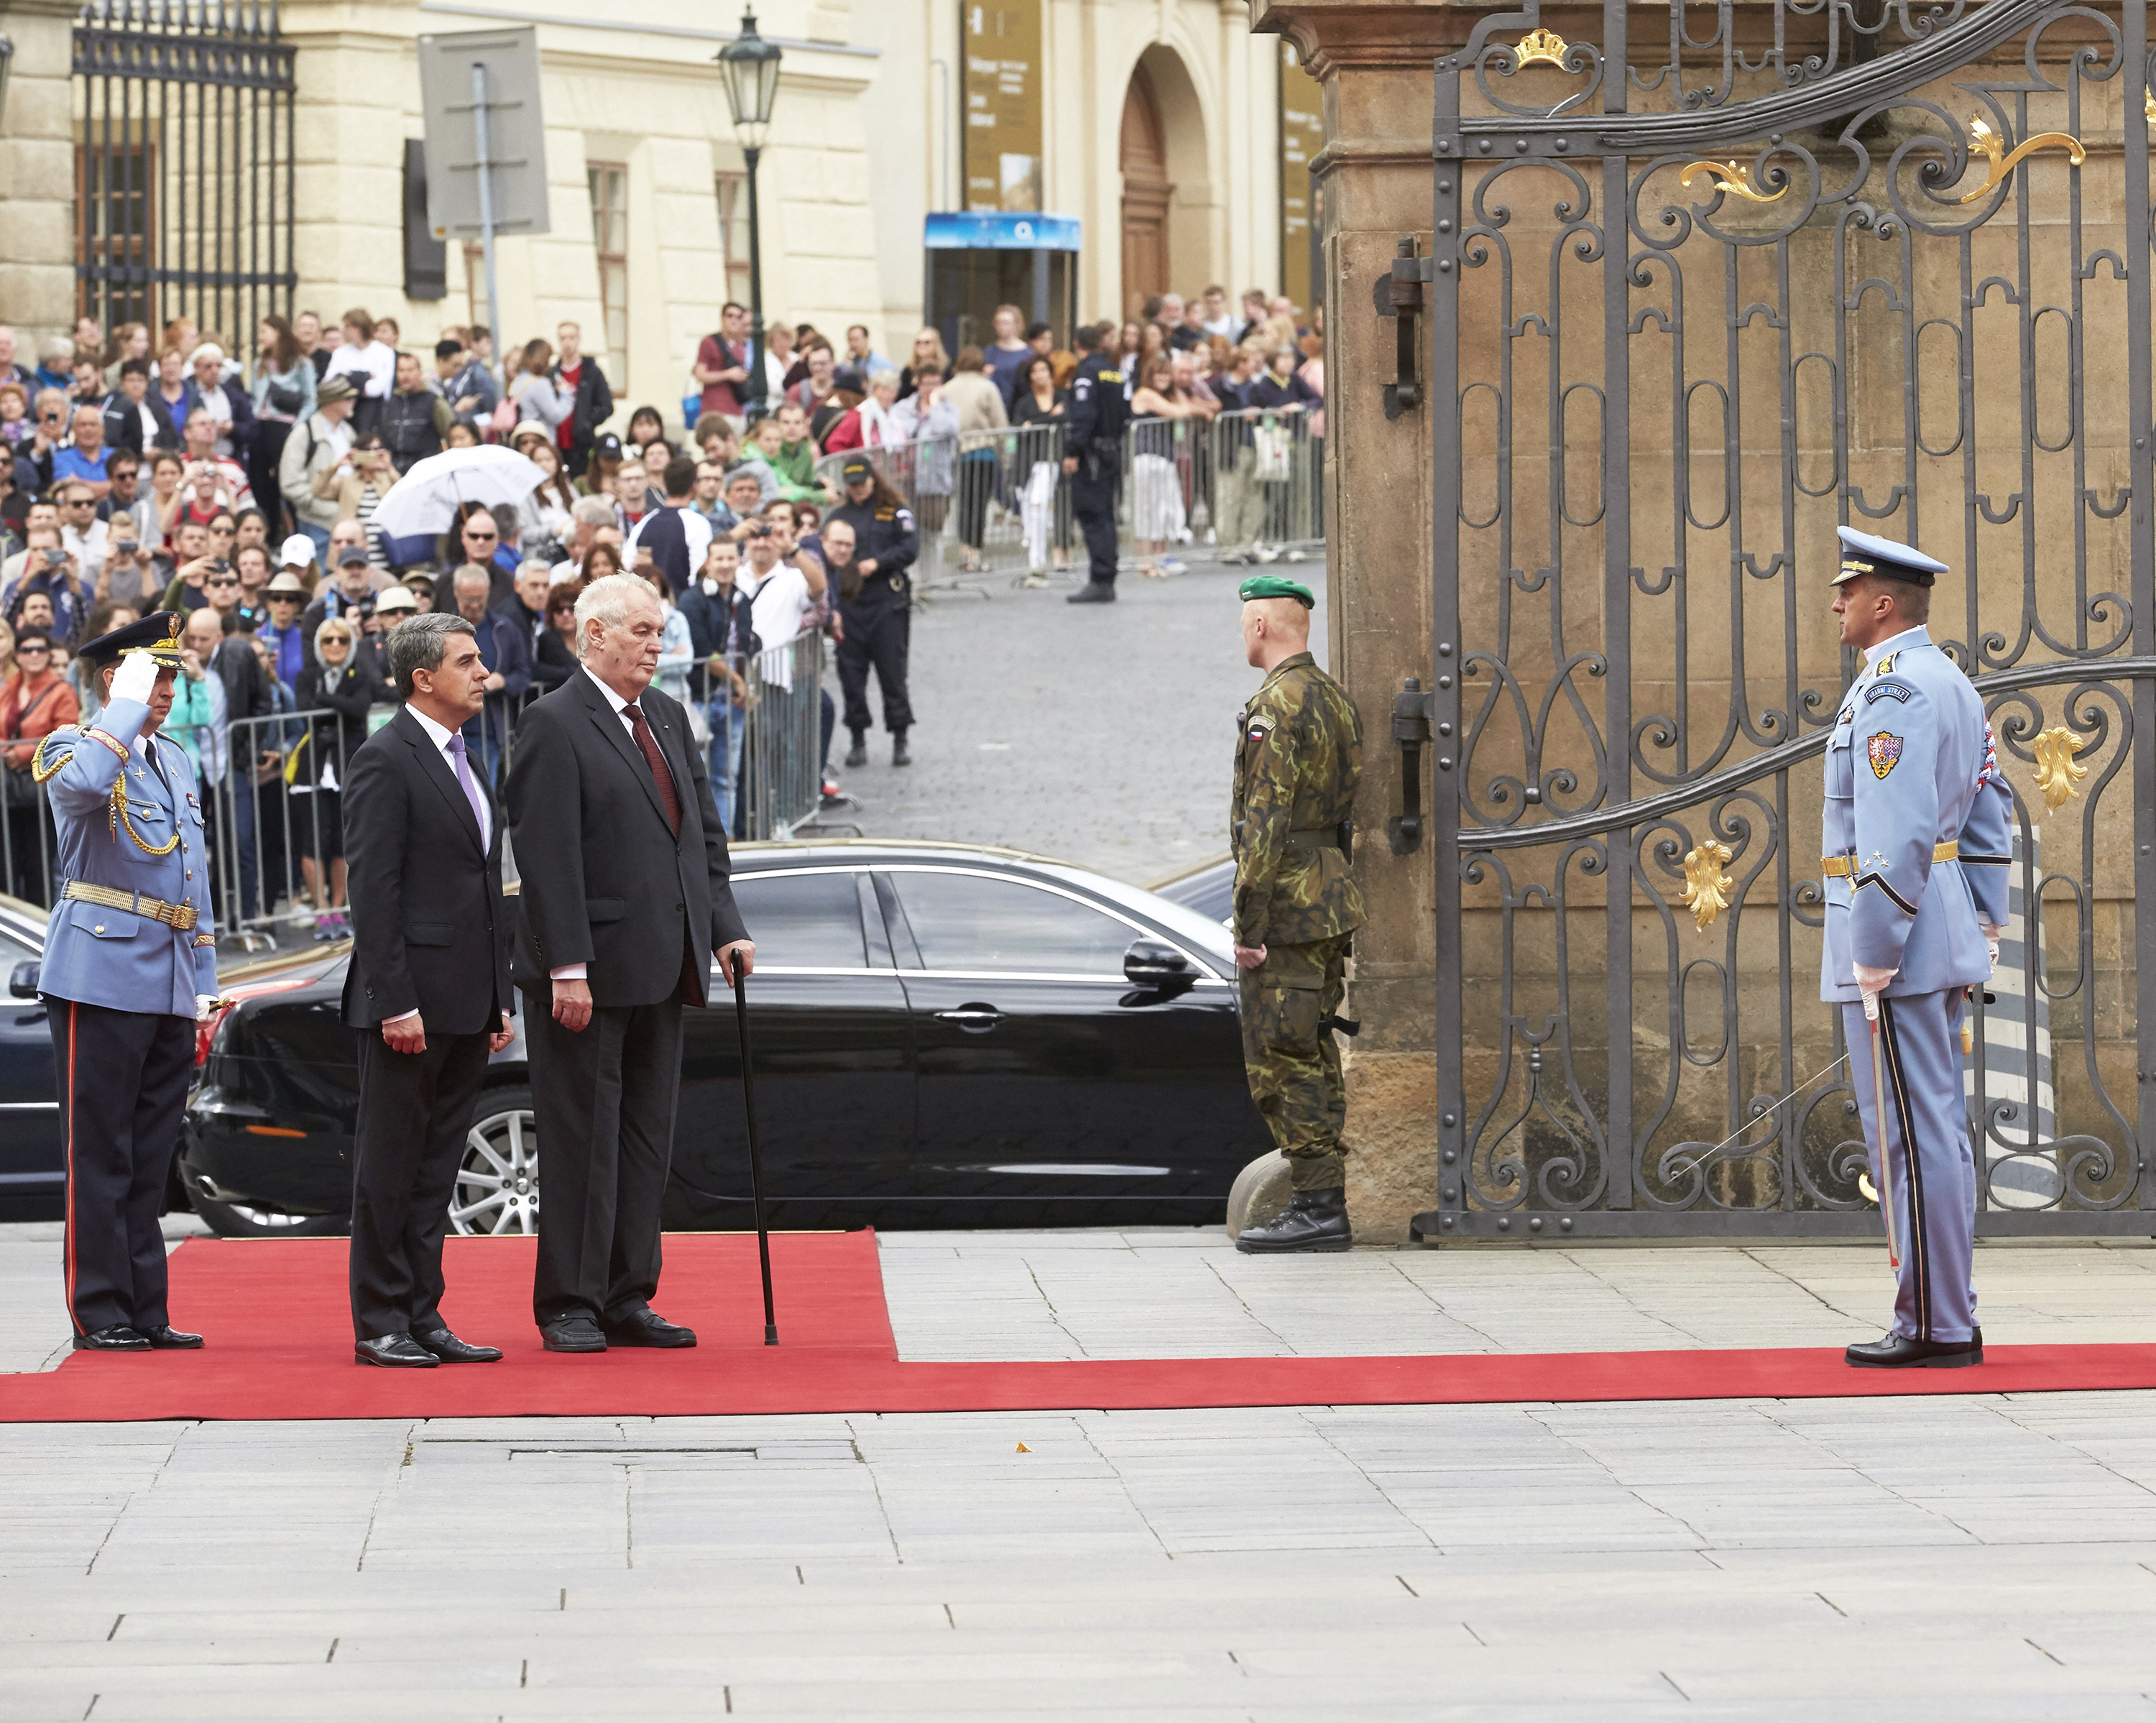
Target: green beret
{"points": [[1272, 586]]}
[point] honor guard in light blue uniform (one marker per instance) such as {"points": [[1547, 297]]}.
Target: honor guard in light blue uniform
{"points": [[130, 966], [1915, 856]]}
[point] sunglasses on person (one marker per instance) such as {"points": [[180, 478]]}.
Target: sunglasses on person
{"points": [[337, 640], [284, 597], [484, 538], [224, 579], [36, 646]]}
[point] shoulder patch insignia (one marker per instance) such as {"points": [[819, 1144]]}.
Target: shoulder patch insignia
{"points": [[1112, 376], [1885, 667], [1883, 750], [1887, 690], [1261, 728]]}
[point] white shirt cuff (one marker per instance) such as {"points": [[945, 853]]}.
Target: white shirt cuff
{"points": [[402, 1017], [568, 972]]}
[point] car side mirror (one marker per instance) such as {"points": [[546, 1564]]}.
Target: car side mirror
{"points": [[1149, 963], [22, 984]]}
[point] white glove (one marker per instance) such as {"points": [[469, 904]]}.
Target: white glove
{"points": [[1991, 942], [136, 679], [205, 1003], [1869, 983]]}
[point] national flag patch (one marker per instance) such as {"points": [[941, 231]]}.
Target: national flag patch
{"points": [[1883, 750]]}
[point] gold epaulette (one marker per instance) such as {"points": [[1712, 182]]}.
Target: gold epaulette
{"points": [[40, 770]]}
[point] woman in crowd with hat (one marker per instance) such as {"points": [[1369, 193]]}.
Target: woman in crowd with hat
{"points": [[286, 596], [317, 454]]}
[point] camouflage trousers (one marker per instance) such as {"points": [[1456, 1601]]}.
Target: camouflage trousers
{"points": [[1294, 1065]]}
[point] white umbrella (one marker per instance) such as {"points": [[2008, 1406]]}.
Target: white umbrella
{"points": [[426, 499]]}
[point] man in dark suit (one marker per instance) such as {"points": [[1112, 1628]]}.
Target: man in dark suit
{"points": [[428, 986], [625, 899]]}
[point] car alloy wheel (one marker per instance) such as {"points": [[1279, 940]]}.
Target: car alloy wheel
{"points": [[497, 1188]]}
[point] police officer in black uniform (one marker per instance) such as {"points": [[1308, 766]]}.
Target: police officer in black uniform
{"points": [[875, 604], [1094, 441]]}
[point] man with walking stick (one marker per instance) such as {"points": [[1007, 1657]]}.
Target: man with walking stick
{"points": [[1915, 855], [625, 900]]}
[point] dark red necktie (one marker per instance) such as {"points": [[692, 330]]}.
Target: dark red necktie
{"points": [[657, 761]]}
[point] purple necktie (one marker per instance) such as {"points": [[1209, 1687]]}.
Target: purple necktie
{"points": [[469, 786]]}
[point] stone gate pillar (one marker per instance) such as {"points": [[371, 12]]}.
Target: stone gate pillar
{"points": [[37, 173], [1374, 59]]}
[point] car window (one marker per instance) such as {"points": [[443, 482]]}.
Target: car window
{"points": [[13, 950], [803, 920], [967, 922]]}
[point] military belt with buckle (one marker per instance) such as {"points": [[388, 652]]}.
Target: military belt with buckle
{"points": [[181, 916], [1840, 867]]}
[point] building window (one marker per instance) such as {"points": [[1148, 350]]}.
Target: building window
{"points": [[113, 238], [609, 187], [732, 189]]}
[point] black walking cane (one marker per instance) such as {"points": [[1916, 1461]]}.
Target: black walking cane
{"points": [[755, 1160]]}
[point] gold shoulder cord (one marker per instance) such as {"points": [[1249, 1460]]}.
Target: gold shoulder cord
{"points": [[39, 771], [120, 818]]}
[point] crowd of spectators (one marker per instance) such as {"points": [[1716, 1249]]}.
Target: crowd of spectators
{"points": [[238, 484]]}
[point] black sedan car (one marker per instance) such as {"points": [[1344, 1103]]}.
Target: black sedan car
{"points": [[944, 1035]]}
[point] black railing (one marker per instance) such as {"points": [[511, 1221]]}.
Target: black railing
{"points": [[184, 165]]}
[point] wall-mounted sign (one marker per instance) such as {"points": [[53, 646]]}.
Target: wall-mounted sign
{"points": [[1003, 129], [1301, 136], [983, 230]]}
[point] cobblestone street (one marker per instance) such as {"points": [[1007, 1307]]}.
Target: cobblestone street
{"points": [[1102, 735]]}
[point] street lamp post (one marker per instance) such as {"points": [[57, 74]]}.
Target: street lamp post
{"points": [[750, 66]]}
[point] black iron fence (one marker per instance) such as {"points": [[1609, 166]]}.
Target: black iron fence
{"points": [[183, 164]]}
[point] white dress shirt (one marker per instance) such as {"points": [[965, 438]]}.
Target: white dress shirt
{"points": [[577, 971], [441, 738]]}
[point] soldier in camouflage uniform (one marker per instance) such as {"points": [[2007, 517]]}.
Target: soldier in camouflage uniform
{"points": [[1298, 755]]}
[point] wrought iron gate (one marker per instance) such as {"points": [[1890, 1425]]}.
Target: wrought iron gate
{"points": [[1886, 265], [183, 165]]}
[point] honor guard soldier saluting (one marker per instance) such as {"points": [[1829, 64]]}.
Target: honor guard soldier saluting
{"points": [[130, 966], [1915, 855], [1298, 755], [1093, 457]]}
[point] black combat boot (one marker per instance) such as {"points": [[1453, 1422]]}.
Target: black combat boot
{"points": [[899, 756], [1094, 592], [1313, 1220], [858, 755]]}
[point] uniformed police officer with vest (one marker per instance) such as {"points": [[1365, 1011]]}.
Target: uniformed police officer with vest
{"points": [[875, 605], [1915, 855], [1093, 458], [1298, 757], [130, 968]]}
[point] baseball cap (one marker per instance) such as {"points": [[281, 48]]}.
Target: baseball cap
{"points": [[353, 556], [606, 446], [857, 467], [298, 552]]}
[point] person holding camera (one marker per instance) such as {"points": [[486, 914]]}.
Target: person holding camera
{"points": [[50, 571]]}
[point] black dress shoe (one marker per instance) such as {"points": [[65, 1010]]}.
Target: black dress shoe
{"points": [[646, 1328], [1094, 592], [572, 1333], [446, 1346], [166, 1338], [118, 1338], [1313, 1221], [394, 1351], [1898, 1351]]}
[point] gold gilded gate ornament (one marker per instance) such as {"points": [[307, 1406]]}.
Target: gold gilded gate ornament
{"points": [[1540, 47], [1730, 177], [1708, 883], [1982, 138], [2057, 771]]}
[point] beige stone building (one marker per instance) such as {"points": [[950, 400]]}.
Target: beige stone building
{"points": [[1157, 119]]}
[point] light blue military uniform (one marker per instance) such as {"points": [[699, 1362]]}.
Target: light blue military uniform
{"points": [[99, 954], [130, 945], [1915, 853]]}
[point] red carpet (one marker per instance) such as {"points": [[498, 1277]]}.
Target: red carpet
{"points": [[275, 1316]]}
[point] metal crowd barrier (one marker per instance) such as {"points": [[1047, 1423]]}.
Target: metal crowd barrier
{"points": [[782, 769], [1246, 484]]}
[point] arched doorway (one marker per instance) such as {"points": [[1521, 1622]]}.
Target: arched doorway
{"points": [[1145, 193]]}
